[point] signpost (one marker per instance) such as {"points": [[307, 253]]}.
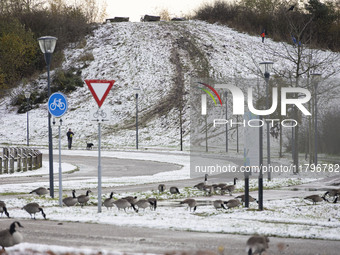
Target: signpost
{"points": [[99, 89], [57, 106], [100, 115]]}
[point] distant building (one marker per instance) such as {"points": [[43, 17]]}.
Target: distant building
{"points": [[118, 19], [178, 19], [148, 18]]}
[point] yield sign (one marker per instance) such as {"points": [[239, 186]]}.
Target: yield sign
{"points": [[99, 89]]}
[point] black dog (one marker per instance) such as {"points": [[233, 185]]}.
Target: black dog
{"points": [[89, 146]]}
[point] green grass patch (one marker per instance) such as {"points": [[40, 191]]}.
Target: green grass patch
{"points": [[12, 193], [72, 171]]}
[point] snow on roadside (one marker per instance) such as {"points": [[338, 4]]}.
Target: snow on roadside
{"points": [[43, 249]]}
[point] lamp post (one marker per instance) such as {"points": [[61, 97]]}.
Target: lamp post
{"points": [[266, 68], [136, 91], [204, 113], [316, 80], [226, 117], [47, 46], [27, 96]]}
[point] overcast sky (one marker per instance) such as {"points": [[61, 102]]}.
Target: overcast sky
{"points": [[134, 9]]}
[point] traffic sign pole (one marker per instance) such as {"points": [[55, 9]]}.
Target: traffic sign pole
{"points": [[99, 89], [99, 171], [57, 106], [60, 171]]}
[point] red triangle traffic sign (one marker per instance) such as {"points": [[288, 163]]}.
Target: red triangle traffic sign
{"points": [[99, 89]]}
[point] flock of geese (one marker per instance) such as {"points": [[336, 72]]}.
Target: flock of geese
{"points": [[255, 244]]}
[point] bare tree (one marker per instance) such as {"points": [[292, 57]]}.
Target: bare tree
{"points": [[301, 62], [19, 6], [164, 14]]}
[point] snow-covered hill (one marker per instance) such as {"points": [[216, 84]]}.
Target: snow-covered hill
{"points": [[161, 59]]}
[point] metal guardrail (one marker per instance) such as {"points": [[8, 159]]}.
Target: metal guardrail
{"points": [[16, 159]]}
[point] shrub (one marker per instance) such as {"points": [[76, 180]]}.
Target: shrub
{"points": [[66, 81], [18, 51], [86, 57], [63, 81]]}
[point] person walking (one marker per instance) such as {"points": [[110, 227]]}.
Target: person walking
{"points": [[263, 35], [70, 135]]}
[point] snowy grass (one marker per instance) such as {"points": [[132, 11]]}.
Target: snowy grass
{"points": [[291, 217]]}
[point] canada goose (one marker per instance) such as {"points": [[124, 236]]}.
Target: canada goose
{"points": [[142, 203], [33, 208], [132, 200], [335, 200], [315, 199], [229, 188], [3, 208], [153, 203], [191, 203], [108, 203], [10, 237], [40, 191], [257, 244], [123, 204], [174, 190], [215, 186], [83, 199], [232, 203], [201, 185], [220, 185], [161, 188], [243, 198], [209, 189], [218, 204], [332, 193], [71, 201]]}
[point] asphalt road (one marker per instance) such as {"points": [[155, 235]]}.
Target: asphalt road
{"points": [[149, 240]]}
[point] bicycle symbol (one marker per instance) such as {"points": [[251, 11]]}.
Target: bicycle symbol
{"points": [[57, 103], [100, 113]]}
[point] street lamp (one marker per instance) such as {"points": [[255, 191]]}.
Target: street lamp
{"points": [[136, 91], [266, 68], [204, 113], [47, 45], [27, 96], [316, 80], [226, 117]]}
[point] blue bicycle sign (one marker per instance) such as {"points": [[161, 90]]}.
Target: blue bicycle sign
{"points": [[57, 104]]}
